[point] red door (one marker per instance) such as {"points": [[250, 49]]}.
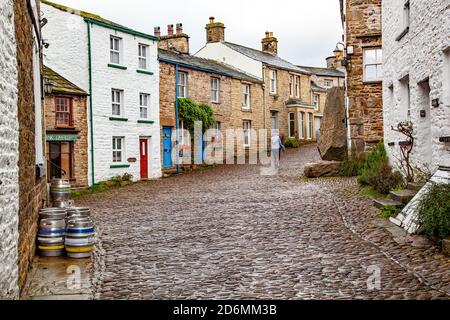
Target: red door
{"points": [[144, 158]]}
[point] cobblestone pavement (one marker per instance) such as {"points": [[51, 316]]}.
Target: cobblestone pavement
{"points": [[229, 233]]}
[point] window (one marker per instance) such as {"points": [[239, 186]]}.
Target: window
{"points": [[327, 83], [117, 96], [273, 81], [291, 85], [246, 125], [63, 109], [182, 85], [144, 104], [291, 124], [316, 101], [297, 86], [117, 149], [301, 125], [60, 155], [373, 64], [143, 51], [245, 96], [308, 126], [215, 90], [115, 44]]}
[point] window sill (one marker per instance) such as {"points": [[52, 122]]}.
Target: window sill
{"points": [[146, 121], [402, 34], [144, 72], [215, 102], [118, 119], [373, 82], [246, 110], [117, 66], [116, 166]]}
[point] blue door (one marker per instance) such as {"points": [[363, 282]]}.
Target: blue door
{"points": [[167, 147]]}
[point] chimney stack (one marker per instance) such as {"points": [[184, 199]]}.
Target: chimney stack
{"points": [[215, 31], [157, 32], [170, 30], [270, 44], [178, 42]]}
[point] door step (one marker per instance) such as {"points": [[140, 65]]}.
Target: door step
{"points": [[414, 186], [403, 196], [380, 203]]}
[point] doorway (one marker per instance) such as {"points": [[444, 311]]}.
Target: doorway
{"points": [[167, 147], [143, 146]]}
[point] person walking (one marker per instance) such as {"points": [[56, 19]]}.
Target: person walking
{"points": [[276, 146]]}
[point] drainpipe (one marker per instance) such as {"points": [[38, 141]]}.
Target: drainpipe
{"points": [[176, 119], [91, 123]]}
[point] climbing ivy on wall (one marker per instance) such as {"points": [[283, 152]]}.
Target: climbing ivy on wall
{"points": [[190, 111]]}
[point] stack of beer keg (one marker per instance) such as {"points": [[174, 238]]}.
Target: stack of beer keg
{"points": [[80, 239], [65, 227]]}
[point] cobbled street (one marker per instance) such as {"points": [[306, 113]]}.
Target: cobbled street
{"points": [[229, 232]]}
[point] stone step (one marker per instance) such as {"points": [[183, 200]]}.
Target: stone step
{"points": [[403, 196], [414, 186], [380, 203]]}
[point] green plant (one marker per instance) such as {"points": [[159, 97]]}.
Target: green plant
{"points": [[383, 179], [352, 167], [190, 112], [373, 162], [292, 142], [388, 211], [434, 212]]}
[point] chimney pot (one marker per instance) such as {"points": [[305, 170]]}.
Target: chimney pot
{"points": [[170, 30], [179, 28], [157, 32], [211, 20], [267, 34]]}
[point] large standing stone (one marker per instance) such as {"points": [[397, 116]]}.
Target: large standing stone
{"points": [[322, 169], [332, 142]]}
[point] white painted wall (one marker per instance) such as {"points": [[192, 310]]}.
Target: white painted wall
{"points": [[421, 54], [68, 55], [220, 52], [9, 156]]}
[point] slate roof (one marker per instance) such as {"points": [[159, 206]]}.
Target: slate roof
{"points": [[61, 84], [324, 72], [267, 58], [317, 88], [205, 65]]}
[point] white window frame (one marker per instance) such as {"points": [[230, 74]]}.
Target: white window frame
{"points": [[273, 81], [115, 103], [144, 104], [291, 85], [330, 85], [297, 86], [301, 125], [113, 40], [316, 101], [378, 64], [291, 124], [308, 126], [245, 96], [115, 149], [215, 89], [143, 58], [247, 127], [182, 83]]}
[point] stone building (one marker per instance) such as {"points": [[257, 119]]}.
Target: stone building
{"points": [[22, 176], [287, 99], [119, 69], [235, 97], [322, 80], [416, 83], [66, 130], [364, 64]]}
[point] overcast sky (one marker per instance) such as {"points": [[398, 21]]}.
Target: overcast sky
{"points": [[307, 30]]}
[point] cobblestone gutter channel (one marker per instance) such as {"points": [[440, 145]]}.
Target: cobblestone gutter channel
{"points": [[229, 232]]}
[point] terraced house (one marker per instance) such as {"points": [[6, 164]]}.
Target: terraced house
{"points": [[118, 67], [287, 100], [235, 97]]}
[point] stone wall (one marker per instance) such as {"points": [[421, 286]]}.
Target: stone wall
{"points": [[9, 156], [229, 109], [363, 30], [79, 120], [420, 59], [32, 190]]}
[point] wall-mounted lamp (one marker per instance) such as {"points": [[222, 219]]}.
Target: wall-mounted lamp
{"points": [[48, 86], [435, 103]]}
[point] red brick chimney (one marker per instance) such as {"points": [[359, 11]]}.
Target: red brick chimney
{"points": [[215, 31], [178, 42], [157, 32]]}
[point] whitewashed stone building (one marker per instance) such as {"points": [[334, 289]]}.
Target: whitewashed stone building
{"points": [[119, 68], [416, 84]]}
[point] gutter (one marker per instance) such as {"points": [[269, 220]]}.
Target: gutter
{"points": [[121, 29], [194, 68], [91, 122]]}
